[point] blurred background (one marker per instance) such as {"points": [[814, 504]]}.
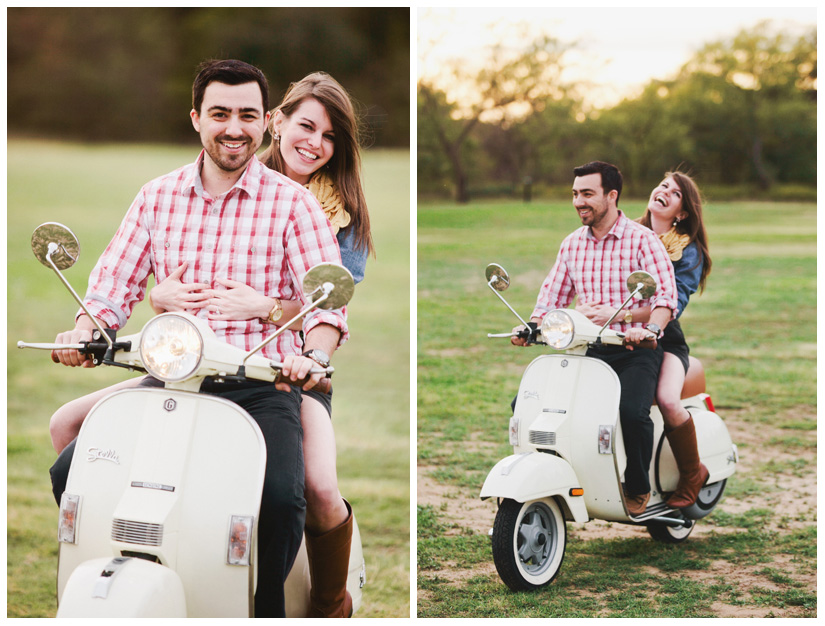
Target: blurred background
{"points": [[98, 105], [510, 101], [133, 67]]}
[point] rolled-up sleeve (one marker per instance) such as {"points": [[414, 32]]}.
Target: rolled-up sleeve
{"points": [[653, 258], [558, 289], [118, 281], [310, 240]]}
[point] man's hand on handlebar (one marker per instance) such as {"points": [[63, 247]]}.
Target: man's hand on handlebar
{"points": [[524, 335], [82, 332], [635, 336], [296, 368]]}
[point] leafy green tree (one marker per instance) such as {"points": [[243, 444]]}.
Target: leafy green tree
{"points": [[506, 89], [743, 99]]}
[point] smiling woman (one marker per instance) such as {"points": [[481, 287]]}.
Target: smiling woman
{"points": [[307, 139]]}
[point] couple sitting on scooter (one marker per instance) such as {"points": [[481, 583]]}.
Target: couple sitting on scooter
{"points": [[669, 242], [229, 240]]}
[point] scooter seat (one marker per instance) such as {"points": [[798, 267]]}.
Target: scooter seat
{"points": [[694, 379]]}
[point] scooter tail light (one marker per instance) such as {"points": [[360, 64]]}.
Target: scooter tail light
{"points": [[709, 404], [67, 524], [514, 431], [239, 548]]}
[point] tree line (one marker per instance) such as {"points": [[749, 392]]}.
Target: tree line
{"points": [[742, 112], [113, 74]]}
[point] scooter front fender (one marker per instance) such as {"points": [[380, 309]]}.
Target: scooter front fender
{"points": [[125, 588], [535, 475]]}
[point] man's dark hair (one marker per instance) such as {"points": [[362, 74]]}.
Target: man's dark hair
{"points": [[229, 72], [611, 176]]}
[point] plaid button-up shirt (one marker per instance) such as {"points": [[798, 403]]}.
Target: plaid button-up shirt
{"points": [[266, 232], [597, 271]]}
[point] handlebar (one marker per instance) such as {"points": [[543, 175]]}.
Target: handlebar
{"points": [[323, 386]]}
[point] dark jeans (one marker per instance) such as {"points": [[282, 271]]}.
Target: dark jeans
{"points": [[283, 508], [638, 372]]}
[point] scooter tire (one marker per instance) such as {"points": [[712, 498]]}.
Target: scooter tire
{"points": [[709, 496], [528, 543]]}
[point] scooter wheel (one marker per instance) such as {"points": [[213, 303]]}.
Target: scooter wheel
{"points": [[528, 543], [706, 501], [670, 534]]}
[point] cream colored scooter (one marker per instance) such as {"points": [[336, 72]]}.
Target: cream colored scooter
{"points": [[153, 523], [568, 452]]}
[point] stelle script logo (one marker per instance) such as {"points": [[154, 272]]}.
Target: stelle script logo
{"points": [[103, 455]]}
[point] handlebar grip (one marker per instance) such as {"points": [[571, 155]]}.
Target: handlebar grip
{"points": [[323, 386], [649, 344], [531, 333]]}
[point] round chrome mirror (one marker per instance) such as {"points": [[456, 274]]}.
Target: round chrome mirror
{"points": [[55, 241], [497, 277], [337, 276], [647, 282]]}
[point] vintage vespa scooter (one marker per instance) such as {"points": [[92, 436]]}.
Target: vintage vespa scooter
{"points": [[153, 523], [569, 455]]}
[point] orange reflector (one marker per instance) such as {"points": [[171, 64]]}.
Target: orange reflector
{"points": [[577, 491]]}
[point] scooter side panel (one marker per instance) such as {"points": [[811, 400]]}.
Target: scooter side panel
{"points": [[715, 446], [534, 475]]}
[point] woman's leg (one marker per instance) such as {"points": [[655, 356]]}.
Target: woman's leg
{"points": [[329, 518], [66, 421], [669, 392], [325, 507], [680, 432]]}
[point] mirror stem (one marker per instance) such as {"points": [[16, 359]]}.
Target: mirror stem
{"points": [[53, 247], [500, 297], [632, 295], [286, 325]]}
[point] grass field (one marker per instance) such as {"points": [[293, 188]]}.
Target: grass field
{"points": [[755, 331], [89, 188]]}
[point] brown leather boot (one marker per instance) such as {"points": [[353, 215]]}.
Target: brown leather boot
{"points": [[692, 473], [328, 556]]}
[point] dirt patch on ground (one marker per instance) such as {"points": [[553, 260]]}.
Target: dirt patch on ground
{"points": [[788, 488]]}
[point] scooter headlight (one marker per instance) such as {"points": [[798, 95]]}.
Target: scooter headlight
{"points": [[557, 329], [171, 348]]}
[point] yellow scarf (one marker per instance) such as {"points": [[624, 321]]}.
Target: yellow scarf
{"points": [[322, 187], [674, 243]]}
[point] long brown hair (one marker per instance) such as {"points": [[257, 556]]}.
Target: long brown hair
{"points": [[693, 225], [345, 165]]}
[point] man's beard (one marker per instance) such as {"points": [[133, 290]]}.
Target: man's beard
{"points": [[229, 162]]}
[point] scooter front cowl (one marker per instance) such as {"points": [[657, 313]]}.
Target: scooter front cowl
{"points": [[168, 476], [123, 588], [536, 475]]}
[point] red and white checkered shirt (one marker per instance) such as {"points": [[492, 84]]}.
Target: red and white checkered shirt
{"points": [[597, 270], [266, 232]]}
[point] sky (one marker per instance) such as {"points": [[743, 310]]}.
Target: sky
{"points": [[618, 49]]}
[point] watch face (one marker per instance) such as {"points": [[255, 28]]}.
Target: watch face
{"points": [[319, 356]]}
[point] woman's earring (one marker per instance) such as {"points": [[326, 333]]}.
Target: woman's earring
{"points": [[275, 136], [676, 221]]}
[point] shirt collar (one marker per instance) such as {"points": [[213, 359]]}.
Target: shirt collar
{"points": [[616, 231], [249, 181]]}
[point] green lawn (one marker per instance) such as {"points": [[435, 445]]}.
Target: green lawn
{"points": [[89, 188], [754, 328]]}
